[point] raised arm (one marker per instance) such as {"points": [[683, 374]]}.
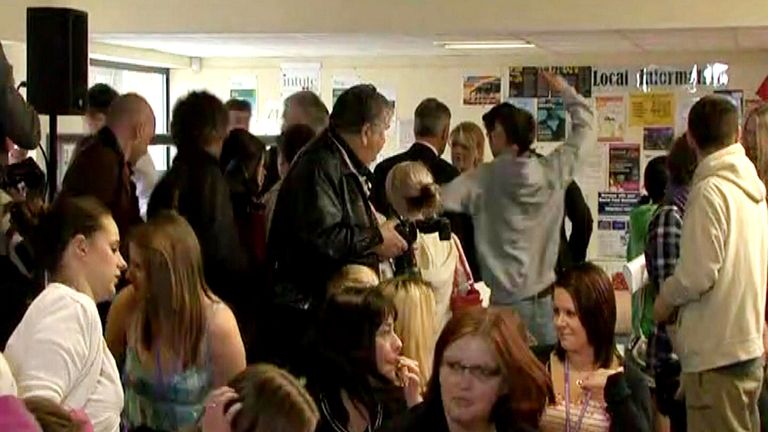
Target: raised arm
{"points": [[560, 164]]}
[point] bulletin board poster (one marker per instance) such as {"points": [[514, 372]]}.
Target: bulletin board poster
{"points": [[341, 84], [525, 81], [613, 211], [624, 167], [481, 90], [528, 104], [248, 95], [550, 120], [611, 118], [651, 109], [297, 77], [658, 138]]}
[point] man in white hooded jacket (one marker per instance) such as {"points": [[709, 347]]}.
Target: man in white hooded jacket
{"points": [[719, 285]]}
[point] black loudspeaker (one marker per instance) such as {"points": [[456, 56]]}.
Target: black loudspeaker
{"points": [[57, 60]]}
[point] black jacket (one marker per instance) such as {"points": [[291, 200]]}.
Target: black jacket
{"points": [[573, 250], [322, 221], [429, 416], [100, 170], [196, 188], [443, 172]]}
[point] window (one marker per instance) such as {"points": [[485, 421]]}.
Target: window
{"points": [[152, 84]]}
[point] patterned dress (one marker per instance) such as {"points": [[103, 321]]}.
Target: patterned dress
{"points": [[165, 400], [595, 418]]}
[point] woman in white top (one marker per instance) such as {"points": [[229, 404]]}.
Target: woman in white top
{"points": [[58, 352], [412, 191]]}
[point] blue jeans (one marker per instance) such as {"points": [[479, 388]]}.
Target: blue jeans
{"points": [[538, 317]]}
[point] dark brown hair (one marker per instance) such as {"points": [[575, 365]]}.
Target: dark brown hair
{"points": [[273, 401], [526, 380], [591, 290], [682, 162], [52, 228], [713, 122], [240, 105], [518, 124], [198, 119]]}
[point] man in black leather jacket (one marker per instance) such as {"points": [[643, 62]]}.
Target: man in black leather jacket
{"points": [[323, 218]]}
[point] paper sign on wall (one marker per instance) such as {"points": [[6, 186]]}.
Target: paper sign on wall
{"points": [[613, 223], [651, 109], [299, 76], [550, 120], [624, 168], [341, 84], [658, 138], [611, 118], [481, 90]]}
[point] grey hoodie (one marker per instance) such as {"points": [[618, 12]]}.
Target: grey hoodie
{"points": [[517, 205], [720, 280]]}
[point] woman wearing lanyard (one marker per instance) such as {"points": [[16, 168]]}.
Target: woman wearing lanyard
{"points": [[593, 391]]}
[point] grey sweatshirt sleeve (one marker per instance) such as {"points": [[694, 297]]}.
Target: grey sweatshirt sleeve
{"points": [[559, 166], [458, 195], [22, 124]]}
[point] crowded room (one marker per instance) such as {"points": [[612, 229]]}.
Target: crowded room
{"points": [[402, 216]]}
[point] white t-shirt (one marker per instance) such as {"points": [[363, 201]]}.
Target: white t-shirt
{"points": [[58, 352], [145, 176], [7, 381]]}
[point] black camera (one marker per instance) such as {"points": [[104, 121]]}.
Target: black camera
{"points": [[23, 176], [409, 231]]}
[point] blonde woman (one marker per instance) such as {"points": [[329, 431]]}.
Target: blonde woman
{"points": [[467, 146], [414, 195], [415, 324], [353, 275], [178, 339]]}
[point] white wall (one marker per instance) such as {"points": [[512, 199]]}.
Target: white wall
{"points": [[415, 78]]}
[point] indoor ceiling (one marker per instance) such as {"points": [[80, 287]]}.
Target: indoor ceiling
{"points": [[354, 45]]}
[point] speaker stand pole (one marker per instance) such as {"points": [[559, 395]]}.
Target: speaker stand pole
{"points": [[53, 157]]}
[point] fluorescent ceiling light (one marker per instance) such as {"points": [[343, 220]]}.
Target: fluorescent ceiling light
{"points": [[498, 44]]}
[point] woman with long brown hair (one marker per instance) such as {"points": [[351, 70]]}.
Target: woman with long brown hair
{"points": [[593, 391], [485, 378], [179, 340]]}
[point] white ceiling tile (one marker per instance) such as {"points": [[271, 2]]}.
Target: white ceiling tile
{"points": [[684, 40], [354, 45], [752, 38], [575, 42]]}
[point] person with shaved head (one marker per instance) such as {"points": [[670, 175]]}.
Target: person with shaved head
{"points": [[104, 168]]}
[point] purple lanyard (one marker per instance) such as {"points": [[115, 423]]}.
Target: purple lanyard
{"points": [[568, 402]]}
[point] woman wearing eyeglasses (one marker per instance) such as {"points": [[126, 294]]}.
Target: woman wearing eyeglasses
{"points": [[485, 380], [593, 390]]}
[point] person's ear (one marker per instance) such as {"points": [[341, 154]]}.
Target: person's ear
{"points": [[365, 133], [79, 245]]}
